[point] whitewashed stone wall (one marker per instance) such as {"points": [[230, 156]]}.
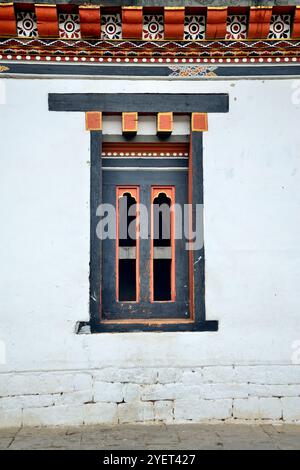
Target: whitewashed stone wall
{"points": [[169, 395], [249, 369]]}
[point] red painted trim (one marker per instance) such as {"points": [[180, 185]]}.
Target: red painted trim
{"points": [[216, 23], [296, 26], [132, 22], [196, 11], [90, 22], [153, 10], [67, 8], [110, 10], [238, 11], [135, 192], [259, 22], [24, 7], [283, 10], [8, 25], [174, 23], [47, 20], [153, 147], [170, 193]]}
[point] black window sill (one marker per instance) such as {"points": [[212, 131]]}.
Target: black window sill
{"points": [[87, 328]]}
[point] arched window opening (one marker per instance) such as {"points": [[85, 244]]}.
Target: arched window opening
{"points": [[127, 246], [162, 289]]}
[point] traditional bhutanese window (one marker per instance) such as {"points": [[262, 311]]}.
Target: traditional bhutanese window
{"points": [[147, 268]]}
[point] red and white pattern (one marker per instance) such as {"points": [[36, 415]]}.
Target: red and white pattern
{"points": [[236, 27], [69, 26], [111, 26], [280, 27], [54, 58], [145, 154], [194, 27], [153, 27], [26, 24], [141, 52]]}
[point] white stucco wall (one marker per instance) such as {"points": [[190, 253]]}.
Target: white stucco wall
{"points": [[252, 233]]}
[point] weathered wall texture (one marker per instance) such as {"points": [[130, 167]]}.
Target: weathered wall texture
{"points": [[250, 368], [114, 395]]}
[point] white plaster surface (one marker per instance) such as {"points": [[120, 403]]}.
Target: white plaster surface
{"points": [[252, 233], [2, 92]]}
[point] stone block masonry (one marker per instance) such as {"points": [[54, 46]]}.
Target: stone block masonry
{"points": [[147, 395]]}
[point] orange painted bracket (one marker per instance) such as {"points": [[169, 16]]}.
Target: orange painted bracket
{"points": [[259, 22], [199, 122], [296, 26], [216, 23], [164, 123], [8, 25], [47, 20], [174, 22], [132, 22], [90, 23], [129, 123], [93, 121]]}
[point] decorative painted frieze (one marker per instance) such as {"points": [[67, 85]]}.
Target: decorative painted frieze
{"points": [[111, 26], [27, 24], [153, 27], [138, 23], [236, 27], [188, 58], [280, 27], [192, 71], [69, 26], [194, 27]]}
